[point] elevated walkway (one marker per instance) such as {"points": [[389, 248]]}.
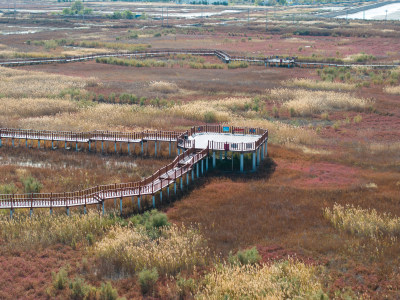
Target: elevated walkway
{"points": [[208, 138]]}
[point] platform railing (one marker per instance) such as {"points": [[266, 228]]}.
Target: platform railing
{"points": [[88, 136], [94, 195], [185, 142], [150, 185]]}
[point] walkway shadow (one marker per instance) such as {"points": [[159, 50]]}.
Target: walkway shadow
{"points": [[264, 171]]}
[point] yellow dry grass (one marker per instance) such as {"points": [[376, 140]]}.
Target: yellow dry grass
{"points": [[42, 229], [319, 85], [20, 83], [10, 53], [363, 222], [35, 107], [307, 103], [164, 87], [130, 250], [379, 148], [39, 113], [395, 90], [281, 133], [84, 51], [280, 280]]}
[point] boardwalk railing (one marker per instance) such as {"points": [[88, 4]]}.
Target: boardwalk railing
{"points": [[224, 56], [95, 195], [162, 178], [88, 136], [147, 135]]}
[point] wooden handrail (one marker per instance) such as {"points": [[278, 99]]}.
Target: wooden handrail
{"points": [[91, 195]]}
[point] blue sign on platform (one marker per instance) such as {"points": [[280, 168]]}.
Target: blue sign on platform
{"points": [[225, 129]]}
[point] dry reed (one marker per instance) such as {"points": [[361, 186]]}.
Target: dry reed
{"points": [[35, 107], [395, 90], [164, 87], [363, 222], [280, 280], [19, 83], [319, 85], [307, 103], [43, 230], [130, 250]]}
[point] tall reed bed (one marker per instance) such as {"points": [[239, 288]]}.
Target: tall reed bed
{"points": [[281, 133], [135, 117], [128, 250], [19, 83], [42, 230], [90, 44], [128, 62], [395, 90], [306, 83], [35, 107], [363, 222], [164, 87], [194, 65], [280, 280], [306, 103], [238, 65]]}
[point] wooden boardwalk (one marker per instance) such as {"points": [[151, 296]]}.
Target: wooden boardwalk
{"points": [[271, 61], [191, 159]]}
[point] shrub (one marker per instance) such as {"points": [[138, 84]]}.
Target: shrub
{"points": [[31, 185], [210, 117], [90, 238], [78, 288], [159, 220], [325, 116], [357, 119], [60, 279], [8, 189], [246, 257], [292, 112], [186, 287], [147, 279], [275, 111], [107, 292], [152, 222], [336, 125]]}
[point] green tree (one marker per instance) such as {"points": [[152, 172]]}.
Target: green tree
{"points": [[31, 185], [77, 7], [128, 14]]}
